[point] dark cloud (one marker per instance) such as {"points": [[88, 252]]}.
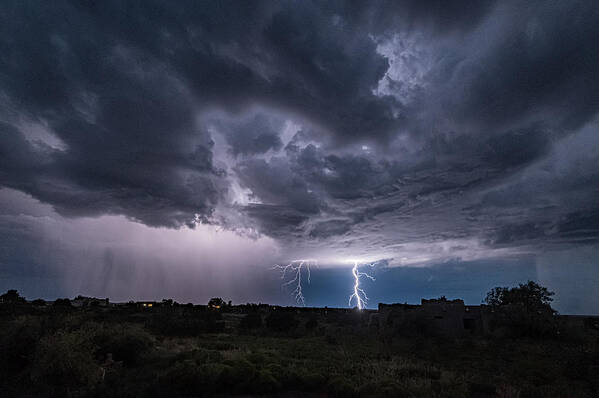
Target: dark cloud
{"points": [[367, 123], [437, 17], [580, 227], [545, 59], [254, 135], [326, 229], [140, 155], [120, 84], [276, 220], [515, 148]]}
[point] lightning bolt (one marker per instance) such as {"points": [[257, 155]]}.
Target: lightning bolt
{"points": [[359, 294], [296, 267]]}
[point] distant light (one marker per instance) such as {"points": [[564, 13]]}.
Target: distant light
{"points": [[365, 147]]}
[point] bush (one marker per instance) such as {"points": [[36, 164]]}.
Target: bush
{"points": [[127, 343], [306, 379], [341, 387], [281, 321], [62, 303], [232, 376], [264, 382], [65, 361], [11, 296], [205, 356], [18, 342], [242, 376], [191, 378]]}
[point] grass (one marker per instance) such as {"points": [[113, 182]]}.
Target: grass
{"points": [[329, 359]]}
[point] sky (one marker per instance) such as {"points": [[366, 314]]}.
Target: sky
{"points": [[153, 149]]}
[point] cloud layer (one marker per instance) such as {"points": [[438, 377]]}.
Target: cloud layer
{"points": [[378, 129]]}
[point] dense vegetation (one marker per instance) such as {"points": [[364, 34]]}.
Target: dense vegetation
{"points": [[176, 350]]}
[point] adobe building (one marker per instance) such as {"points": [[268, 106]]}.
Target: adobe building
{"points": [[437, 317]]}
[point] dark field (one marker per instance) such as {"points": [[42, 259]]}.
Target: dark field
{"points": [[193, 351]]}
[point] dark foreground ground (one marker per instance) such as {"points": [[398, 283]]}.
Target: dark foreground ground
{"points": [[195, 351]]}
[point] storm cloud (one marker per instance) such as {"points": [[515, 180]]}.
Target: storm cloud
{"points": [[400, 130]]}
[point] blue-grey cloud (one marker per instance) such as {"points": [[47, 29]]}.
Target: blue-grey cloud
{"points": [[344, 125]]}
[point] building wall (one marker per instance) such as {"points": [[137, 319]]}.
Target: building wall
{"points": [[448, 318]]}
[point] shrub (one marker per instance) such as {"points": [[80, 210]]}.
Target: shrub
{"points": [[62, 303], [18, 342], [127, 343], [65, 360], [264, 382], [232, 376], [224, 346], [341, 387], [192, 378], [382, 388], [11, 296], [306, 379], [204, 356]]}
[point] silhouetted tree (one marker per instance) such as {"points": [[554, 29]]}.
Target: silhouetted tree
{"points": [[531, 296], [65, 302], [526, 308], [216, 302], [12, 296]]}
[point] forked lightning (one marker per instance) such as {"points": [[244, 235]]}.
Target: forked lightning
{"points": [[296, 267], [359, 295]]}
